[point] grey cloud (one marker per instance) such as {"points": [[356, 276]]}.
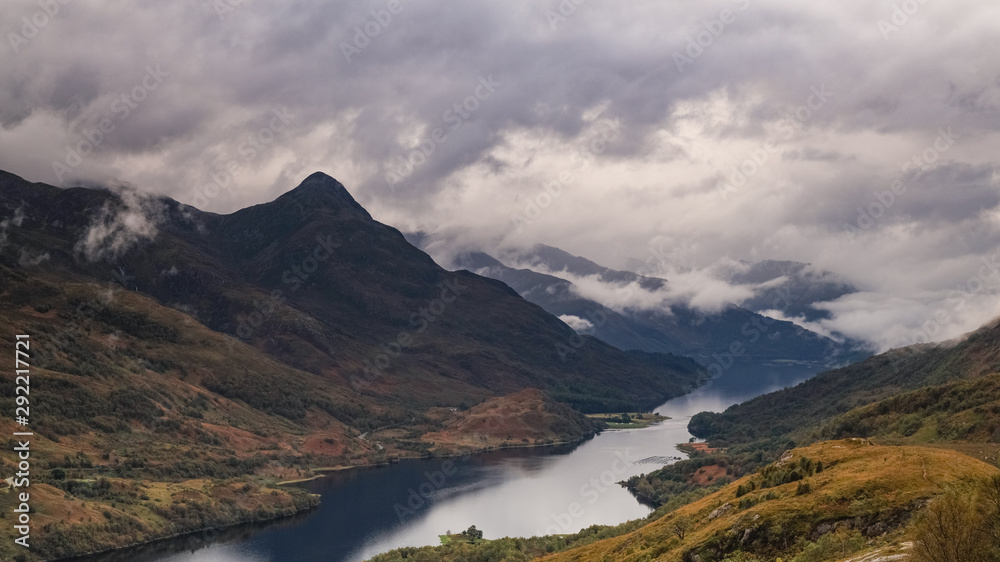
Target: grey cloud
{"points": [[120, 225], [681, 132]]}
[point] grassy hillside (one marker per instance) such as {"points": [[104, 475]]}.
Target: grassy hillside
{"points": [[863, 498], [74, 516], [945, 395]]}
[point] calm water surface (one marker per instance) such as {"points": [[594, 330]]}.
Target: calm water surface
{"points": [[507, 493]]}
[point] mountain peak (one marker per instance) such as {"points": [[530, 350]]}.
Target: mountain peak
{"points": [[320, 183], [321, 190]]}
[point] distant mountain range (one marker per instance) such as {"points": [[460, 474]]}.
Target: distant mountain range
{"points": [[803, 286], [716, 339]]}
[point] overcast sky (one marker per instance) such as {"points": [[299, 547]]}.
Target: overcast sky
{"points": [[677, 133]]}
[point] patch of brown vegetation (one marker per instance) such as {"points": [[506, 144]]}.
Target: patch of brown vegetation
{"points": [[51, 506], [699, 447], [328, 444], [125, 512], [707, 475], [238, 439], [30, 311], [525, 418]]}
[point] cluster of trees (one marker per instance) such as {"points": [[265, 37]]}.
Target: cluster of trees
{"points": [[783, 473], [945, 406], [291, 400], [137, 324], [472, 533], [674, 481], [832, 546]]}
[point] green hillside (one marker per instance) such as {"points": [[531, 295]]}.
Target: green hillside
{"points": [[798, 412]]}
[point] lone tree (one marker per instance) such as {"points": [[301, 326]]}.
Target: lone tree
{"points": [[681, 526]]}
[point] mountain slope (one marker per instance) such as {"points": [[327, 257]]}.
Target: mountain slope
{"points": [[865, 496], [312, 280], [555, 259], [803, 408], [960, 411]]}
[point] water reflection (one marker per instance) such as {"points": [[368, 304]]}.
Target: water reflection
{"points": [[521, 492]]}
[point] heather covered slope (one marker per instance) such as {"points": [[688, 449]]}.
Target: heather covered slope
{"points": [[944, 395], [528, 417], [863, 498]]}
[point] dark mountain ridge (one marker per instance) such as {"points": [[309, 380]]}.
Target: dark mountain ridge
{"points": [[314, 281]]}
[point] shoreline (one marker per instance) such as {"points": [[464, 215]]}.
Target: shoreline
{"points": [[182, 534], [321, 471]]}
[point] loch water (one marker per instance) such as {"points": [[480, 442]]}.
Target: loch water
{"points": [[516, 492]]}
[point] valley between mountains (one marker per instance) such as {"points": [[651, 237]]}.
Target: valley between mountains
{"points": [[185, 364]]}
